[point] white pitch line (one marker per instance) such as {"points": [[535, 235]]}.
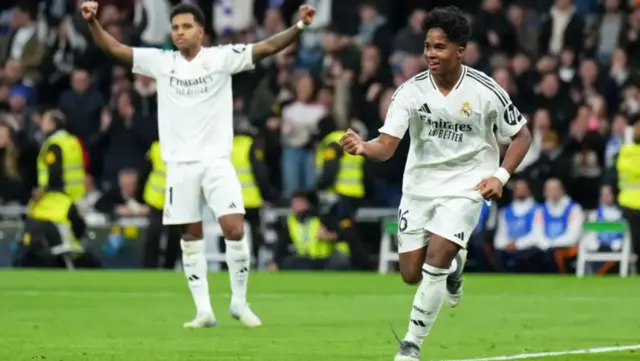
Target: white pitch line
{"points": [[554, 353]]}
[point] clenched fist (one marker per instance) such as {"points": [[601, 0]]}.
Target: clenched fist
{"points": [[306, 14], [89, 10], [352, 143]]}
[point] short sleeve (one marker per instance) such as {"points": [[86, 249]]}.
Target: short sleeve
{"points": [[237, 58], [506, 116], [146, 61], [398, 115]]}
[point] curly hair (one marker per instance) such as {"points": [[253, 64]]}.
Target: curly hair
{"points": [[452, 21]]}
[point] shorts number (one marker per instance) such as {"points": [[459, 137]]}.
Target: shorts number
{"points": [[402, 220], [170, 195]]}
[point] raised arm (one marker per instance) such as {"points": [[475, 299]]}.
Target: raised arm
{"points": [[105, 41], [278, 42]]}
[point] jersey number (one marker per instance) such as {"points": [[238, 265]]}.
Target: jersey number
{"points": [[402, 220], [512, 115]]}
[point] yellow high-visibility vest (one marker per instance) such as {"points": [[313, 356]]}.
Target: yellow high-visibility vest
{"points": [[241, 159], [73, 174], [305, 238], [54, 207], [154, 189], [628, 166], [350, 178]]}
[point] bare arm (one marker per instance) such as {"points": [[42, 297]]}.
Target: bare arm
{"points": [[381, 148], [110, 45], [275, 44], [517, 150]]}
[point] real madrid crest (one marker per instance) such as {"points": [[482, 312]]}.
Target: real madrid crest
{"points": [[206, 65], [465, 111]]}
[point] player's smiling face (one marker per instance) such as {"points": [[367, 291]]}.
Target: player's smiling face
{"points": [[441, 54], [186, 33]]}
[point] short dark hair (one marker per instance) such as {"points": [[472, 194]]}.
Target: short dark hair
{"points": [[194, 10], [452, 21]]}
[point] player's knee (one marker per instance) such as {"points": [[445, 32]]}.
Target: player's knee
{"points": [[234, 232], [441, 257], [412, 277], [192, 232]]}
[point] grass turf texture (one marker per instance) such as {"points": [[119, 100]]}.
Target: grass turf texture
{"points": [[138, 316]]}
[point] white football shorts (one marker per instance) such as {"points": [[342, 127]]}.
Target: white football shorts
{"points": [[453, 218], [192, 184]]}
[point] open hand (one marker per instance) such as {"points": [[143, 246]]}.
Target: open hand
{"points": [[89, 10], [306, 14], [490, 188], [352, 143]]}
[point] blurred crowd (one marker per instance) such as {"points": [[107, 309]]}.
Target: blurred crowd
{"points": [[570, 65]]}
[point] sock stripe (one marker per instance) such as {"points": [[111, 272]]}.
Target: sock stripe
{"points": [[432, 274]]}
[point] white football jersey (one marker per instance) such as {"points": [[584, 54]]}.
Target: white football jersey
{"points": [[195, 104], [453, 144]]}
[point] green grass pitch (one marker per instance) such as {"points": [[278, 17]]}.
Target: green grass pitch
{"points": [[138, 316]]}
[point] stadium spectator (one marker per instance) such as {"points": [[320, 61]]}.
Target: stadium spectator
{"points": [[298, 126], [81, 106], [124, 138], [518, 236], [561, 220], [21, 43], [123, 200], [12, 177]]}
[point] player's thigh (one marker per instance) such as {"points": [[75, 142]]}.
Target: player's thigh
{"points": [[223, 194], [183, 195], [412, 237], [451, 225]]}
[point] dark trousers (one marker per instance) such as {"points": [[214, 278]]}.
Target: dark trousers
{"points": [[152, 243], [633, 218], [342, 220], [252, 216], [524, 261], [336, 262]]}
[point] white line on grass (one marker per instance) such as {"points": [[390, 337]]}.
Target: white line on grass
{"points": [[555, 353], [289, 295]]}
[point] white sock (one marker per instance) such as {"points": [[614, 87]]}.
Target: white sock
{"points": [[239, 263], [194, 263], [427, 303]]}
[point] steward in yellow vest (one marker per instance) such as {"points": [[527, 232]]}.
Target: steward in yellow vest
{"points": [[61, 160], [52, 232], [339, 172], [155, 187], [314, 247], [154, 196], [341, 183], [628, 168], [628, 174], [248, 160]]}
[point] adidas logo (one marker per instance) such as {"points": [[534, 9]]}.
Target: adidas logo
{"points": [[232, 205], [459, 236], [193, 278]]}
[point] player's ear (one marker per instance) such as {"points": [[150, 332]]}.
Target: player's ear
{"points": [[461, 50]]}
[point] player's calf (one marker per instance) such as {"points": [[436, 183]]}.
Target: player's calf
{"points": [[411, 265], [432, 291], [194, 263], [238, 257]]}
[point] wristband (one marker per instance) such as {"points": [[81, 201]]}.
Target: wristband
{"points": [[502, 175], [300, 25]]}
